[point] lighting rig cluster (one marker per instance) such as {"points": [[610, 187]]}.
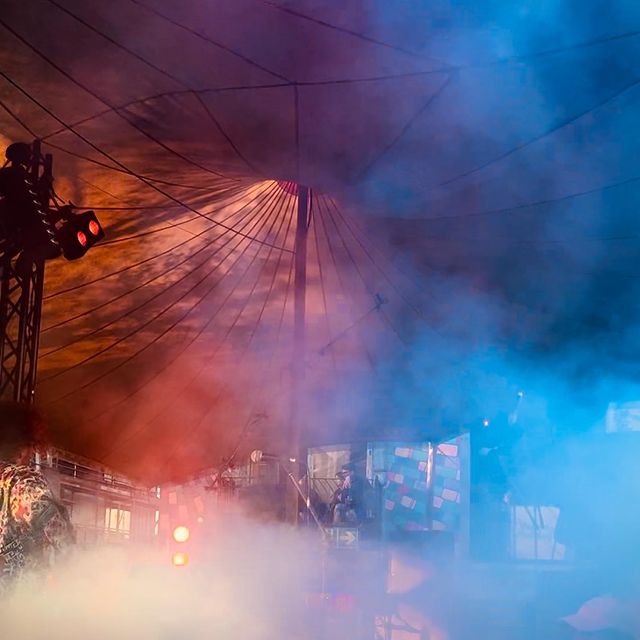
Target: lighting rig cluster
{"points": [[34, 228], [31, 219]]}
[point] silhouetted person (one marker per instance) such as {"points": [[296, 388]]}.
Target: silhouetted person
{"points": [[348, 500]]}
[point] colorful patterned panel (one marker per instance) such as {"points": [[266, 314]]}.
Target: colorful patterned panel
{"points": [[448, 484], [401, 470]]}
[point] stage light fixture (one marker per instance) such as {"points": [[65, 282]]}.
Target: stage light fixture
{"points": [[78, 233], [181, 534], [180, 559]]}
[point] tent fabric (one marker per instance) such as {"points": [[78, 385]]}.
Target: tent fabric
{"points": [[473, 168]]}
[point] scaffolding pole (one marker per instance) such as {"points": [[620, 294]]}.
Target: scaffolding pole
{"points": [[20, 314], [296, 426]]}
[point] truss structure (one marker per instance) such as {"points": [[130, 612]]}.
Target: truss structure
{"points": [[21, 291]]}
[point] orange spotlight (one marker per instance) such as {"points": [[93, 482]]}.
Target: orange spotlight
{"points": [[181, 534], [180, 559], [94, 228]]}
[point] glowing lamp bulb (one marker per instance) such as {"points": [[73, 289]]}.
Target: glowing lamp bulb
{"points": [[94, 228], [180, 559], [520, 394], [485, 423], [181, 534], [82, 239]]}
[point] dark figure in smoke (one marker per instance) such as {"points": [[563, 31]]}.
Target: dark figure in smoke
{"points": [[34, 526], [346, 505]]}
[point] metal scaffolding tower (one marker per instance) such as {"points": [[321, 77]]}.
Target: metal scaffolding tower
{"points": [[21, 288], [21, 293]]}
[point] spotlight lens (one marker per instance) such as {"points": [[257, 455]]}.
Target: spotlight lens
{"points": [[82, 239], [485, 423], [181, 534], [94, 228], [180, 559]]}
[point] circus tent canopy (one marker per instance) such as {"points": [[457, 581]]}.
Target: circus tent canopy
{"points": [[473, 170]]}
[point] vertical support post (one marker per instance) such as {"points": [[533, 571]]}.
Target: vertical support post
{"points": [[32, 336], [296, 428], [5, 345], [36, 154], [5, 267], [431, 451], [24, 283], [21, 295], [300, 282]]}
